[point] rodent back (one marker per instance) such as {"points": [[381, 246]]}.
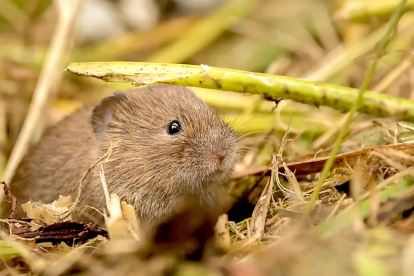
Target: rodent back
{"points": [[55, 165]]}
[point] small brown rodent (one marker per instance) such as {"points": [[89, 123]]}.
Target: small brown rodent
{"points": [[166, 143]]}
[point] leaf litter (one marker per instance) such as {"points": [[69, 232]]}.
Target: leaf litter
{"points": [[266, 244]]}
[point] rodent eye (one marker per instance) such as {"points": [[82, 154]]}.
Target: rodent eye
{"points": [[174, 127]]}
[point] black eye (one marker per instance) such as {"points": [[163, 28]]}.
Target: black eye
{"points": [[174, 127]]}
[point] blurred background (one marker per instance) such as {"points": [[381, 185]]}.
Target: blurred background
{"points": [[321, 40], [331, 41]]}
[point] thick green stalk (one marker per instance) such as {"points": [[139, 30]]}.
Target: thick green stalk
{"points": [[276, 87]]}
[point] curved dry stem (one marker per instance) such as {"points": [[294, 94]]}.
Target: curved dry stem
{"points": [[48, 81]]}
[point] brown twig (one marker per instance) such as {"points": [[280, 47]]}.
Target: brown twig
{"points": [[262, 206], [314, 165], [70, 232], [11, 199]]}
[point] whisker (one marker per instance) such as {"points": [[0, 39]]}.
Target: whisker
{"points": [[245, 121], [253, 132], [247, 148]]}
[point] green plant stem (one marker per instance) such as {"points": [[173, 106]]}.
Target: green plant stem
{"points": [[272, 87], [368, 76]]}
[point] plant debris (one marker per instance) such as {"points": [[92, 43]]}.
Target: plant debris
{"points": [[70, 232], [11, 200]]}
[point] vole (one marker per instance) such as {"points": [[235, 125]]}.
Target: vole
{"points": [[166, 143]]}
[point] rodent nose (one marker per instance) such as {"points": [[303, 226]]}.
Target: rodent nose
{"points": [[220, 153]]}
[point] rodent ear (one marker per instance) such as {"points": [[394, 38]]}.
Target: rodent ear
{"points": [[102, 114]]}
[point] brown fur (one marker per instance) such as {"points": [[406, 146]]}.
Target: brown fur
{"points": [[148, 167]]}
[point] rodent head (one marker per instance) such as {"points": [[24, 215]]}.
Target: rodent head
{"points": [[166, 137]]}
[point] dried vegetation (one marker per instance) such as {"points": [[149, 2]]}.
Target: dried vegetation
{"points": [[362, 221]]}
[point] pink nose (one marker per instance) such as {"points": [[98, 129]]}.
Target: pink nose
{"points": [[219, 153]]}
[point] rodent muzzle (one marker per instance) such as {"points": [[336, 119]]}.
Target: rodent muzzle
{"points": [[218, 155]]}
